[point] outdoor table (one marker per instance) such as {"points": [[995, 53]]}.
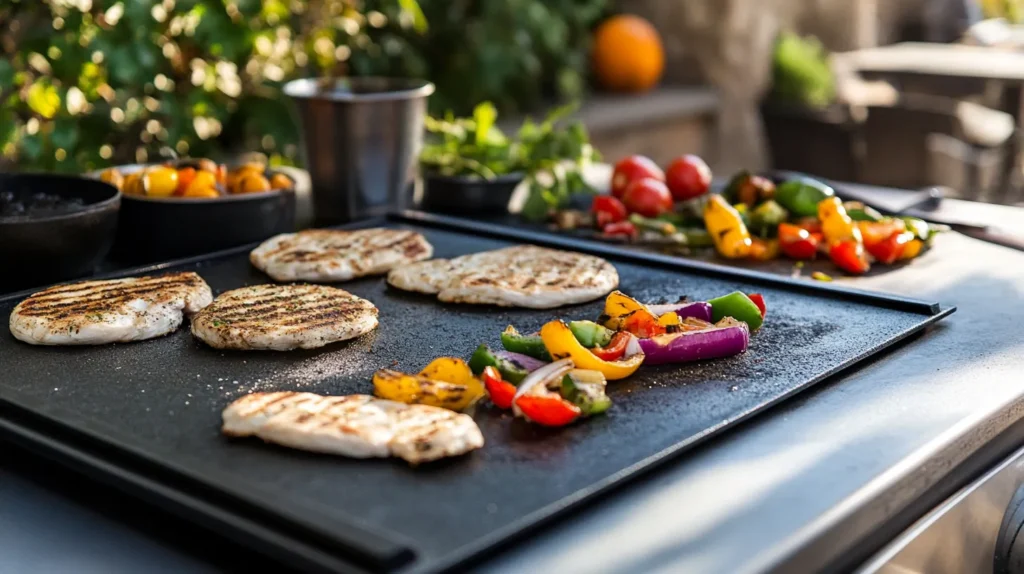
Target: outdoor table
{"points": [[952, 61], [794, 489]]}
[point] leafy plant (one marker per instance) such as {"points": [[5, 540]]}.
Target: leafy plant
{"points": [[514, 53], [87, 83], [801, 72], [550, 156]]}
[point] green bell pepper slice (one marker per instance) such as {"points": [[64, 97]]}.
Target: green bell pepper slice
{"points": [[590, 334], [860, 212], [765, 219], [483, 358], [801, 196], [529, 345], [590, 397], [738, 306]]}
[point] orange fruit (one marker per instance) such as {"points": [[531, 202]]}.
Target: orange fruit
{"points": [[628, 55]]}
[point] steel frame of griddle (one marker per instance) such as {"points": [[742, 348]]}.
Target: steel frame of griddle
{"points": [[289, 540]]}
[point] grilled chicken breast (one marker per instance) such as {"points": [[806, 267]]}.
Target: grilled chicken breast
{"points": [[521, 276], [283, 317], [358, 426], [111, 311], [326, 255]]}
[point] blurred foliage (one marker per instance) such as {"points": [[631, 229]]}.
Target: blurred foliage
{"points": [[514, 53], [801, 72], [87, 83], [1011, 10]]}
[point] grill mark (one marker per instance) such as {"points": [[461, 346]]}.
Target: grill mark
{"points": [[284, 397], [227, 310], [101, 285], [111, 303], [246, 320], [97, 294]]}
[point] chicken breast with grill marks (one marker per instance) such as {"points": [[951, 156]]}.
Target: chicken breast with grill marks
{"points": [[110, 311], [521, 276], [326, 255], [358, 426], [283, 317]]}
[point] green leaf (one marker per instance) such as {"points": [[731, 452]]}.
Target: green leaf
{"points": [[65, 134], [6, 74], [419, 20], [31, 147], [484, 114]]}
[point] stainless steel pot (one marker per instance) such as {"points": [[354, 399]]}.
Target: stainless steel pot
{"points": [[362, 140]]}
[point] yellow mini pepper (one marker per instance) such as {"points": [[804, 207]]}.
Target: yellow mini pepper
{"points": [[723, 222], [836, 225], [561, 343]]}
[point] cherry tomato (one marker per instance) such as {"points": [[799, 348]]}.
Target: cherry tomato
{"points": [[500, 391], [281, 181], [615, 348], [688, 177], [758, 300], [620, 229], [849, 256], [796, 242], [160, 181], [648, 197], [631, 169], [608, 209]]}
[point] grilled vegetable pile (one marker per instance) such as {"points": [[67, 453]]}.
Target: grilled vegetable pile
{"points": [[560, 374], [196, 178], [751, 219]]}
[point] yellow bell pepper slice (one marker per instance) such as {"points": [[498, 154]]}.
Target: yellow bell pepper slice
{"points": [[836, 224], [446, 382], [723, 222], [669, 319], [560, 342], [618, 306]]}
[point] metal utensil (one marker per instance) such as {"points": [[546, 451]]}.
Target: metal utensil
{"points": [[362, 138]]}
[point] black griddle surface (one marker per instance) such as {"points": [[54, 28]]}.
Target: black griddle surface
{"points": [[152, 409]]}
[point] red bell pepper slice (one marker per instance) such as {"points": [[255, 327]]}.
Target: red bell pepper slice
{"points": [[643, 324], [608, 209], [797, 242], [849, 256], [500, 391], [620, 229], [758, 300], [615, 348], [552, 411], [889, 250]]}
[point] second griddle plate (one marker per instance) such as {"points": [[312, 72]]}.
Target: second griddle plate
{"points": [[72, 440]]}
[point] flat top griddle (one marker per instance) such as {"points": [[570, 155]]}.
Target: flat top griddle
{"points": [[147, 415]]}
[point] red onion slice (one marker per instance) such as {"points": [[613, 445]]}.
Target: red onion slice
{"points": [[689, 346], [526, 362], [698, 309]]}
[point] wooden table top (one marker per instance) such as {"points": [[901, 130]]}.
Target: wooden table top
{"points": [[950, 60]]}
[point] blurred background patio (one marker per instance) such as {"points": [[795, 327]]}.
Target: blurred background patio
{"points": [[901, 93]]}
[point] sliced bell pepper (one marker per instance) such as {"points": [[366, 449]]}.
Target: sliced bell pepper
{"points": [[446, 382], [590, 334], [615, 348], [670, 320], [529, 345], [500, 391], [796, 242], [849, 256], [608, 209], [586, 390], [913, 249], [802, 195], [738, 306], [483, 358], [836, 225], [730, 234], [617, 306], [548, 410], [860, 212], [891, 249], [764, 249], [561, 343], [878, 231], [758, 300]]}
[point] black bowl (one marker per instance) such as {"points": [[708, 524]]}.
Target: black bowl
{"points": [[468, 195], [158, 229], [56, 245]]}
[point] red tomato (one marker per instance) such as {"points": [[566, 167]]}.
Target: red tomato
{"points": [[631, 169], [608, 209], [648, 197], [849, 256], [688, 177], [796, 242]]}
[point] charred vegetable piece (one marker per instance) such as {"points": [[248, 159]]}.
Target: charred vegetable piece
{"points": [[732, 240], [749, 189], [738, 306], [501, 392], [590, 334], [726, 338], [586, 390], [561, 344], [845, 243], [427, 389], [483, 357], [849, 256], [529, 345], [892, 248], [765, 219], [615, 348], [538, 402], [652, 224], [796, 242], [764, 249]]}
